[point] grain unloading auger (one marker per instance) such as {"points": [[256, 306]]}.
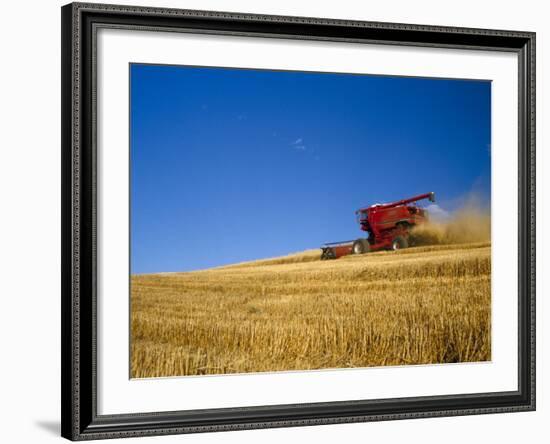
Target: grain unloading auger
{"points": [[388, 225]]}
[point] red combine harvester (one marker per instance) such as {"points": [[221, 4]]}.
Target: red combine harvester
{"points": [[388, 226]]}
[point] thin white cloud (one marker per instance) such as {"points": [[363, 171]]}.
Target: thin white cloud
{"points": [[298, 144]]}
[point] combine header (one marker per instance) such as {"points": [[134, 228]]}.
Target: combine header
{"points": [[388, 226]]}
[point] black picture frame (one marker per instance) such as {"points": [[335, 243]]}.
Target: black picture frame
{"points": [[80, 420]]}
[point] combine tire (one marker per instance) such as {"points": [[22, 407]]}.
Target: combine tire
{"points": [[360, 246], [399, 242], [328, 253]]}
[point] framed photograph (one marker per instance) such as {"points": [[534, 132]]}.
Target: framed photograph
{"points": [[282, 221]]}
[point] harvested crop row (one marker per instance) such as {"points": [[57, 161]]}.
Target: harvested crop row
{"points": [[419, 306]]}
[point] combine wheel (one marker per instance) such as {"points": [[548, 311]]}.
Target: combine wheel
{"points": [[360, 246], [399, 242]]}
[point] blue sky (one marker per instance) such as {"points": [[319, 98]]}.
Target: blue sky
{"points": [[229, 165]]}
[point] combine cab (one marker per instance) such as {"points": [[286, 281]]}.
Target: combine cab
{"points": [[388, 227]]}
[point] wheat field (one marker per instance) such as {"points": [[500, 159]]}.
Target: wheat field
{"points": [[420, 305]]}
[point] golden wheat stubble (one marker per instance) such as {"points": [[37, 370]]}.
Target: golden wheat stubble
{"points": [[422, 305]]}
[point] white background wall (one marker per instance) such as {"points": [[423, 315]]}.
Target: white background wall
{"points": [[30, 220]]}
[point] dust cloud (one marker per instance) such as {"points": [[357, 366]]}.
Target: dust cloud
{"points": [[470, 223]]}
